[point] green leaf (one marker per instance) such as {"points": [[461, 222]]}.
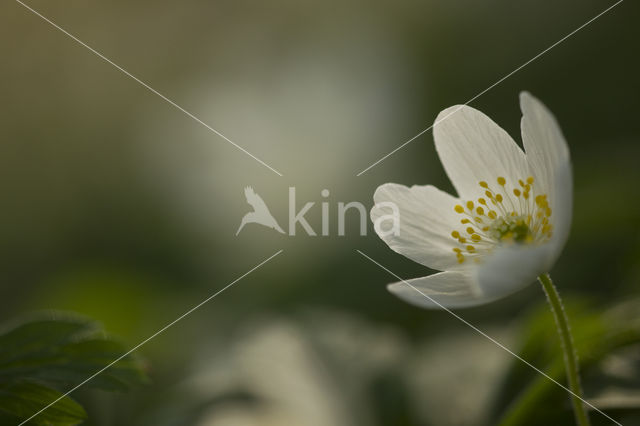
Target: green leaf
{"points": [[42, 354], [37, 334], [66, 351], [22, 400]]}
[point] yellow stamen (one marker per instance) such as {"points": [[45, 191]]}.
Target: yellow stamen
{"points": [[515, 220]]}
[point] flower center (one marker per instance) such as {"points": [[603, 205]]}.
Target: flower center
{"points": [[511, 228], [503, 217]]}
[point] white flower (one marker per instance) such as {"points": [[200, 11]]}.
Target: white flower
{"points": [[511, 219]]}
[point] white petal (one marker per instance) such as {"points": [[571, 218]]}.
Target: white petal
{"points": [[473, 148], [548, 157], [543, 141], [454, 289], [502, 273], [427, 218], [511, 268], [563, 210]]}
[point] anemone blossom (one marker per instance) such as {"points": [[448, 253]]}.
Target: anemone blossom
{"points": [[507, 225]]}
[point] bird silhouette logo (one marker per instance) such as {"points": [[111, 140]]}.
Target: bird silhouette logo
{"points": [[260, 214]]}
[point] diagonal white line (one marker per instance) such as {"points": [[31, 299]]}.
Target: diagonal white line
{"points": [[491, 87], [482, 333], [146, 86], [163, 329]]}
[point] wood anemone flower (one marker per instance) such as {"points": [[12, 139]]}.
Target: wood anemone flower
{"points": [[509, 222]]}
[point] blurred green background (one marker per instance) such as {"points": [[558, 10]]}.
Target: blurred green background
{"points": [[117, 206]]}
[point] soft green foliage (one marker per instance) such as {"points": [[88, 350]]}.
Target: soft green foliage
{"points": [[43, 356], [532, 399], [19, 401]]}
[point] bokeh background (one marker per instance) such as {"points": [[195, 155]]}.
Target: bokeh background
{"points": [[117, 206]]}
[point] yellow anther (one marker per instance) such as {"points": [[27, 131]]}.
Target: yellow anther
{"points": [[530, 180], [457, 250], [465, 221], [455, 234], [460, 259], [485, 229], [501, 181], [459, 209], [516, 192], [521, 182], [499, 198], [492, 214], [488, 194], [470, 205], [483, 184], [548, 211], [470, 230], [476, 237], [462, 240], [479, 220], [541, 200], [525, 194], [471, 249], [482, 201], [480, 211]]}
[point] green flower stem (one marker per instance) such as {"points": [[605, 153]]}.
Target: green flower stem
{"points": [[570, 356]]}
